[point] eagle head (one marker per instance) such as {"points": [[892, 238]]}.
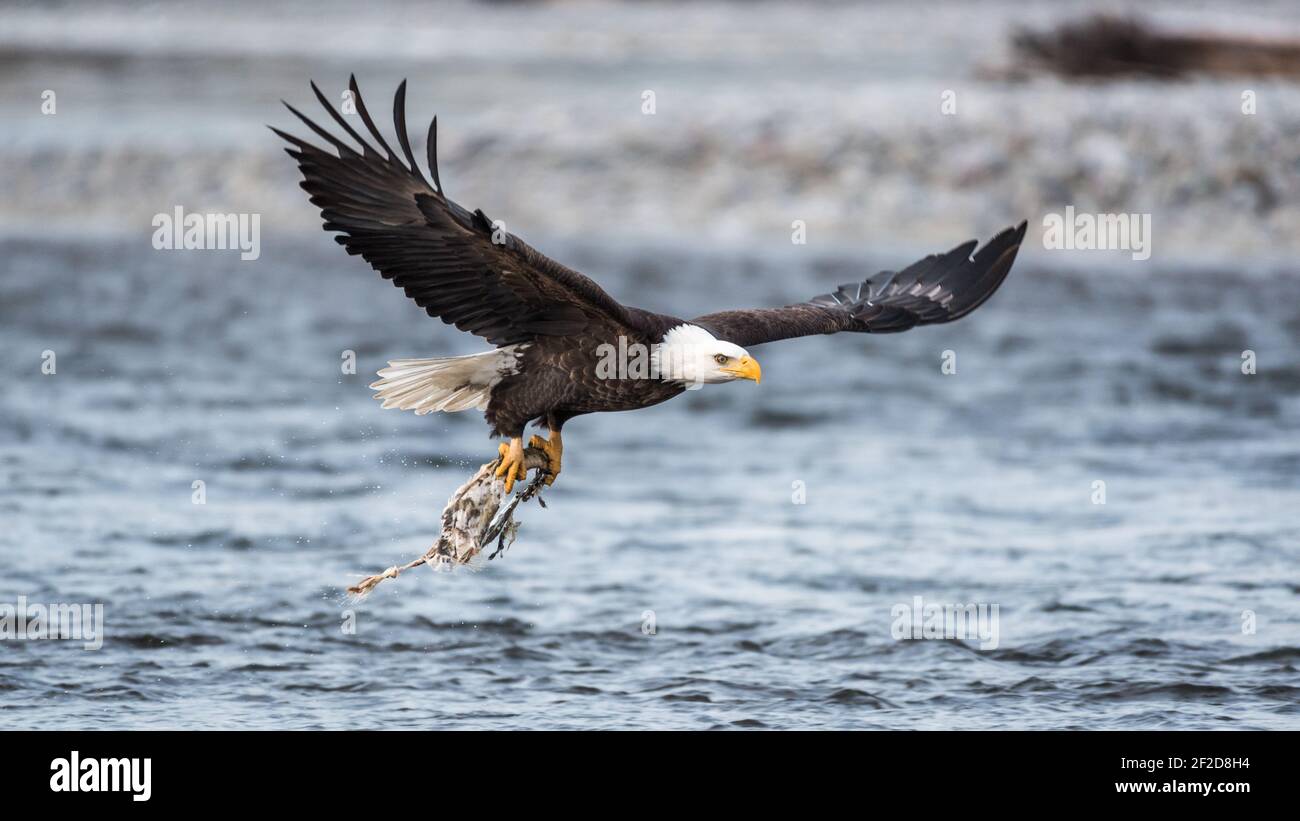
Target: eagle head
{"points": [[692, 355]]}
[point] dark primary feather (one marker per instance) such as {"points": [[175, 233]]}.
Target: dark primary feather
{"points": [[440, 254], [939, 288]]}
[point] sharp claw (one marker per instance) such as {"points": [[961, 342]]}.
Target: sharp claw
{"points": [[502, 450], [552, 448], [512, 467]]}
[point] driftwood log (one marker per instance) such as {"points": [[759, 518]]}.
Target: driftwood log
{"points": [[472, 520], [1105, 45]]}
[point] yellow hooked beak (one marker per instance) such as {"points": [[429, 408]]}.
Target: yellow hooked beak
{"points": [[746, 368]]}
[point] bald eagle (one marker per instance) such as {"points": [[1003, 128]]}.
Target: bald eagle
{"points": [[552, 327]]}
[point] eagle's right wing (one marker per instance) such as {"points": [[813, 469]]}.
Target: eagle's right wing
{"points": [[939, 288], [455, 264]]}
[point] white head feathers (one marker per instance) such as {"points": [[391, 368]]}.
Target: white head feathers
{"points": [[692, 355]]}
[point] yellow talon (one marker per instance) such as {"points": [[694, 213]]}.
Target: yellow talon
{"points": [[512, 462], [554, 449]]}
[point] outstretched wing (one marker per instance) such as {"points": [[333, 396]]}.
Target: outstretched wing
{"points": [[939, 288], [455, 264]]}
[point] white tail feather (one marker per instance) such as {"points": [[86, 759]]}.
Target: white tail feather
{"points": [[449, 384]]}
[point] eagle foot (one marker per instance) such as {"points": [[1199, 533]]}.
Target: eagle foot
{"points": [[513, 466], [554, 449]]}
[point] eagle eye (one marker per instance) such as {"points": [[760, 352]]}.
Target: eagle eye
{"points": [[720, 358]]}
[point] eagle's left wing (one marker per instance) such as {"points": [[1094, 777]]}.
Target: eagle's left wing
{"points": [[939, 288]]}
